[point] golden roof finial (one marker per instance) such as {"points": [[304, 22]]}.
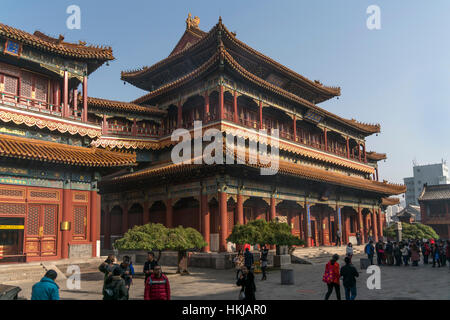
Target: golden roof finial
{"points": [[192, 22]]}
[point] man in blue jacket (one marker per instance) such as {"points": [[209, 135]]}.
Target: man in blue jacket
{"points": [[46, 289], [370, 250]]}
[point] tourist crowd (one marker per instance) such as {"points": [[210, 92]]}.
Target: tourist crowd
{"points": [[409, 252]]}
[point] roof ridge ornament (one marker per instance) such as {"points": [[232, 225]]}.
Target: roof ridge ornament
{"points": [[192, 22]]}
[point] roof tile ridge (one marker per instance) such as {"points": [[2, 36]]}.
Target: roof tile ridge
{"points": [[231, 36], [145, 69]]}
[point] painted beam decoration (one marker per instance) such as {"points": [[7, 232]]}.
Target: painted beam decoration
{"points": [[313, 116]]}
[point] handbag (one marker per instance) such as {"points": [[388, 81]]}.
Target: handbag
{"points": [[242, 295]]}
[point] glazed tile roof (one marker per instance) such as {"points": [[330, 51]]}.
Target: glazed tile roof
{"points": [[371, 155], [32, 149], [435, 192], [123, 106], [205, 36], [390, 201], [227, 57], [58, 46], [285, 168]]}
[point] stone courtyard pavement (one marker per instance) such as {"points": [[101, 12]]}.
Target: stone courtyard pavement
{"points": [[397, 283]]}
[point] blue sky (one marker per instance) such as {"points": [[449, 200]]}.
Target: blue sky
{"points": [[398, 76]]}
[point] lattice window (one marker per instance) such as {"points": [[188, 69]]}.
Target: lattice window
{"points": [[11, 85], [26, 85], [230, 221], [44, 194], [50, 216], [80, 197], [12, 208], [33, 220], [11, 193], [41, 88], [79, 220]]}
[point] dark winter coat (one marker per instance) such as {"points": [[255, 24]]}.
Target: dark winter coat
{"points": [[116, 285], [247, 282]]}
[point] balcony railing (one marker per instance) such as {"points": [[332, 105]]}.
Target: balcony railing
{"points": [[36, 105]]}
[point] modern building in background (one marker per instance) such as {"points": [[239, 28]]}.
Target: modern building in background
{"points": [[431, 174]]}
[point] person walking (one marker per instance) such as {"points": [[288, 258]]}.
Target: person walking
{"points": [[389, 251], [107, 267], [349, 251], [358, 238], [415, 255], [436, 256], [380, 252], [247, 283], [149, 265], [447, 252], [115, 288], [405, 254], [331, 277], [238, 263], [263, 259], [248, 259], [349, 275], [442, 253], [370, 250], [397, 254], [338, 238], [46, 289], [426, 252], [157, 286], [127, 272]]}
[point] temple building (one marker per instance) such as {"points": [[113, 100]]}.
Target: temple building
{"points": [[435, 208], [326, 179], [49, 201]]}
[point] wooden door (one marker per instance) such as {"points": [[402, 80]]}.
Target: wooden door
{"points": [[41, 230], [49, 227], [80, 222]]}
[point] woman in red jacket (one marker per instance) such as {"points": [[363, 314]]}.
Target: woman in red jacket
{"points": [[157, 286], [331, 277]]}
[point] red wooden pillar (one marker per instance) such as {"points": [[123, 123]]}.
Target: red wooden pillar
{"points": [[235, 108], [366, 227], [75, 100], [146, 213], [380, 224], [307, 224], [348, 149], [95, 226], [124, 218], [223, 221], [365, 155], [104, 125], [85, 102], [295, 127], [205, 221], [169, 213], [273, 209], [260, 115], [134, 128], [359, 152], [66, 95], [221, 111], [180, 115], [206, 112], [240, 209], [374, 226], [361, 225], [325, 138], [66, 217]]}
